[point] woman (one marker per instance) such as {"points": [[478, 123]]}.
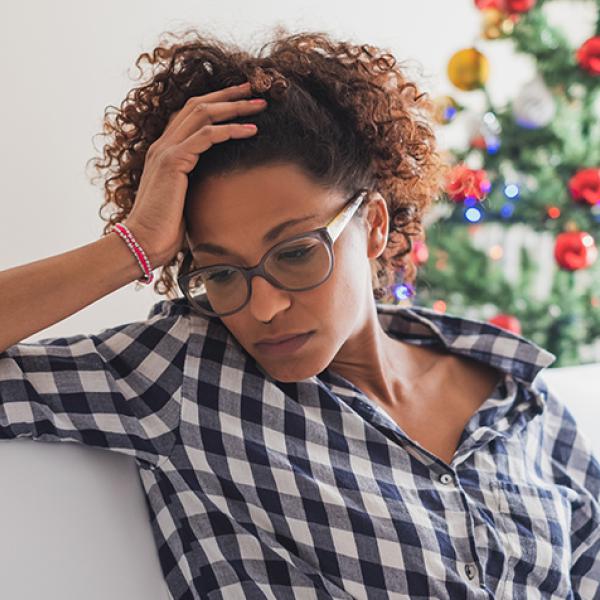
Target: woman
{"points": [[384, 451]]}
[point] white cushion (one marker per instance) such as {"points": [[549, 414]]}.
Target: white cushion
{"points": [[74, 525]]}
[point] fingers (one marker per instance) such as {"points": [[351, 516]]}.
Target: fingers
{"points": [[204, 113], [222, 95], [208, 135], [195, 127]]}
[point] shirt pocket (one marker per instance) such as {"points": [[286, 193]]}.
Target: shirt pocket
{"points": [[534, 524]]}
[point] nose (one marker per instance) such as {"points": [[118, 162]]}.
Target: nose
{"points": [[266, 300]]}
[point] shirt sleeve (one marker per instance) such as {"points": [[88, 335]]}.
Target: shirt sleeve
{"points": [[119, 389], [576, 466]]}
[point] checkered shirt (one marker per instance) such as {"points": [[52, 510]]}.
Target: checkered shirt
{"points": [[261, 489]]}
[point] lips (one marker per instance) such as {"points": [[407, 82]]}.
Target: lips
{"points": [[282, 338], [287, 347]]}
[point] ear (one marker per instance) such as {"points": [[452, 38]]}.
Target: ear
{"points": [[377, 220]]}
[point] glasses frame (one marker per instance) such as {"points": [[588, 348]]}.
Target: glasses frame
{"points": [[328, 233]]}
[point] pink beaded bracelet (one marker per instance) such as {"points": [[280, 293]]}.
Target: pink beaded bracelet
{"points": [[137, 250]]}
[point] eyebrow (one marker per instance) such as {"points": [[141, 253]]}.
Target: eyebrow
{"points": [[270, 236]]}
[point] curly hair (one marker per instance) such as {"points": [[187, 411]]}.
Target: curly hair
{"points": [[344, 112]]}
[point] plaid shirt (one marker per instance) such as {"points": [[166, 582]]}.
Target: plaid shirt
{"points": [[262, 489]]}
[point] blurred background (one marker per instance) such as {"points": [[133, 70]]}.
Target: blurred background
{"points": [[515, 241], [515, 83]]}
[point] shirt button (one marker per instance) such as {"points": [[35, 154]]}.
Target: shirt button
{"points": [[471, 571], [446, 478]]}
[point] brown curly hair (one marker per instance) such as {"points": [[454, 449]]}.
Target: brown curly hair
{"points": [[344, 112]]}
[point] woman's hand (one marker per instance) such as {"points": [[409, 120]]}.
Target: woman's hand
{"points": [[157, 217]]}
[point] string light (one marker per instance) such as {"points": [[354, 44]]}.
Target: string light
{"points": [[493, 147], [507, 210], [491, 131], [512, 191], [587, 240], [553, 212], [473, 215], [403, 291], [496, 252], [439, 306], [449, 113]]}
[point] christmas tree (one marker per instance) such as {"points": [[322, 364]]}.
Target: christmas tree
{"points": [[513, 240]]}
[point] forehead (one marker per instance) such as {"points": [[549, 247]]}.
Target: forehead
{"points": [[237, 209]]}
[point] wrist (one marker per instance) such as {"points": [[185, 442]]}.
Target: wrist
{"points": [[145, 241], [136, 244]]}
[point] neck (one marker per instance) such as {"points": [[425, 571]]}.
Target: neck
{"points": [[381, 366]]}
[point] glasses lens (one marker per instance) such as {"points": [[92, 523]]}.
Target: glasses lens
{"points": [[218, 290], [299, 263], [295, 265]]}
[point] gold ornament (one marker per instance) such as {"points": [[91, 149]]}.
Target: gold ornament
{"points": [[571, 226], [507, 26], [468, 69], [496, 24], [491, 23]]}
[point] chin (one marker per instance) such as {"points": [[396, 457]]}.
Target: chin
{"points": [[291, 372]]}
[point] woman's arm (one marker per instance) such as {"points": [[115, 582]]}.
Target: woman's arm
{"points": [[38, 294], [118, 389]]}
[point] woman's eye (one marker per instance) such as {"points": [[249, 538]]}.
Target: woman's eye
{"points": [[294, 254], [220, 276]]}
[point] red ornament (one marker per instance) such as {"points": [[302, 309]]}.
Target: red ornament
{"points": [[478, 142], [463, 183], [508, 322], [588, 55], [518, 6], [420, 252], [484, 4], [585, 186], [507, 6], [553, 212], [574, 250]]}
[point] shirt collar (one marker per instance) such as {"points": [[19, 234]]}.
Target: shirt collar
{"points": [[482, 341]]}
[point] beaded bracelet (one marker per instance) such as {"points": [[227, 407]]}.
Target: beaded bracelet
{"points": [[137, 250]]}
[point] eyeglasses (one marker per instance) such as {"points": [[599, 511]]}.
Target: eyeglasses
{"points": [[299, 263]]}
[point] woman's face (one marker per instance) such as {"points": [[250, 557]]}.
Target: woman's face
{"points": [[235, 211]]}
